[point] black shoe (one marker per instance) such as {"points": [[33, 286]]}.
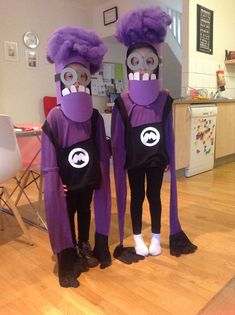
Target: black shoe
{"points": [[127, 255], [66, 268], [101, 250], [181, 244], [68, 280], [80, 266], [84, 251]]}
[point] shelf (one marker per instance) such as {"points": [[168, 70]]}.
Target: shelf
{"points": [[230, 62]]}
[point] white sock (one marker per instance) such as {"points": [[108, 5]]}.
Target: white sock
{"points": [[155, 247], [140, 247]]}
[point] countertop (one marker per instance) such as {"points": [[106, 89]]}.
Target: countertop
{"points": [[203, 101]]}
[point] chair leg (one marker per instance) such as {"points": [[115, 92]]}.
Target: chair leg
{"points": [[24, 183], [18, 216], [40, 199]]}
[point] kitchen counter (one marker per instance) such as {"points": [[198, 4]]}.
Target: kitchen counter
{"points": [[203, 101], [225, 129]]}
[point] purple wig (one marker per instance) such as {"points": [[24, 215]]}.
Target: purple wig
{"points": [[143, 25], [74, 44]]}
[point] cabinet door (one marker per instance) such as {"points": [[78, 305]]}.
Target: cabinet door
{"points": [[182, 130], [225, 130]]}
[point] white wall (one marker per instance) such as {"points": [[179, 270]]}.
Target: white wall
{"points": [[97, 15], [173, 4], [199, 69], [22, 89]]}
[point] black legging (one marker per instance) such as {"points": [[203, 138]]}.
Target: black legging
{"points": [[154, 177], [79, 201]]}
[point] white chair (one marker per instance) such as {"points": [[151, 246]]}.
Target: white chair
{"points": [[10, 164]]}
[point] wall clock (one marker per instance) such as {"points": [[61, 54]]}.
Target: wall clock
{"points": [[31, 40]]}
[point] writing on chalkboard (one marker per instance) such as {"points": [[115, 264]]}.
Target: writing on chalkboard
{"points": [[204, 30]]}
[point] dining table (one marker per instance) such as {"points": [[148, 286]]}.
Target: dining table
{"points": [[29, 141]]}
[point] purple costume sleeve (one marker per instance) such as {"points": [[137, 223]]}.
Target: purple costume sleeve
{"points": [[170, 146], [102, 196], [119, 158], [54, 200]]}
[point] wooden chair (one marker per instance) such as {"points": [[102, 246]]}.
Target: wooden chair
{"points": [[30, 148], [10, 164]]}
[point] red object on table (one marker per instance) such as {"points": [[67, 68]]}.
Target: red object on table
{"points": [[30, 146], [48, 103]]}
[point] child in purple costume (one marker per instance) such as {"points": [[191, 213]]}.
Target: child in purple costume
{"points": [[142, 136], [75, 155]]}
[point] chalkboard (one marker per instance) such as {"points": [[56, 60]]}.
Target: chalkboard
{"points": [[204, 30]]}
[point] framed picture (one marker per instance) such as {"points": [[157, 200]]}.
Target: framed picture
{"points": [[110, 16], [11, 51], [31, 59], [204, 30]]}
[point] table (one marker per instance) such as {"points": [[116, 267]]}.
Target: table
{"points": [[29, 140]]}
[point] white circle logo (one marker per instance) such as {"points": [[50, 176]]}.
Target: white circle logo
{"points": [[78, 158], [150, 136]]}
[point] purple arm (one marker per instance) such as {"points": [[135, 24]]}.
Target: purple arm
{"points": [[179, 242], [170, 146], [102, 196], [119, 158], [54, 199]]}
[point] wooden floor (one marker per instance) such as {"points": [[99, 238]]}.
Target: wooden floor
{"points": [[160, 285]]}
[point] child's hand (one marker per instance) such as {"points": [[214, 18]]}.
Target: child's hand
{"points": [[65, 189], [167, 168]]}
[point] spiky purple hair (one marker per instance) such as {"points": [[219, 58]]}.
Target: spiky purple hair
{"points": [[69, 41], [143, 25]]}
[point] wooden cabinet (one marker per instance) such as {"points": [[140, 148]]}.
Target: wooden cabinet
{"points": [[225, 130], [182, 135], [230, 62]]}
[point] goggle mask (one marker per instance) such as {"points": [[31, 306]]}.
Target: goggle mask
{"points": [[69, 76], [137, 61]]}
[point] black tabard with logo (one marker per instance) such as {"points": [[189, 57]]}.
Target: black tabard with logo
{"points": [[79, 163], [145, 144]]}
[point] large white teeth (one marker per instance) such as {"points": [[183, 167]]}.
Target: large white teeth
{"points": [[65, 91], [81, 88], [73, 89], [131, 76], [137, 76], [145, 77]]}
